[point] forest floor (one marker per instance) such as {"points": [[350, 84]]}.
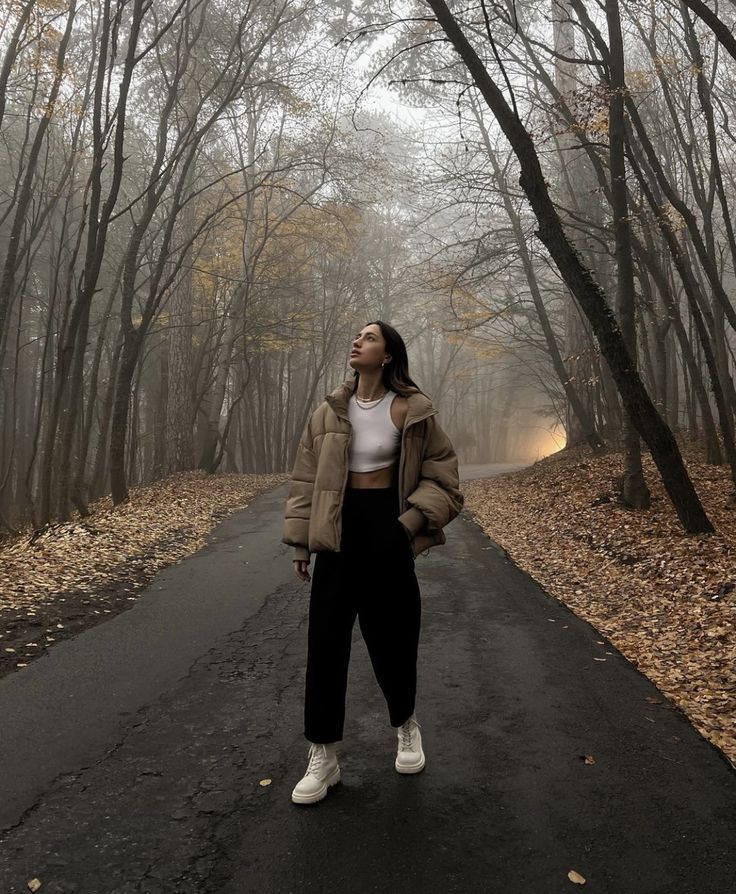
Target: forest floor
{"points": [[666, 600]]}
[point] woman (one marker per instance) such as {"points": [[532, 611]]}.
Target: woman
{"points": [[375, 481]]}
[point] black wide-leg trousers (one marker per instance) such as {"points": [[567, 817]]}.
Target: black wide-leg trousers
{"points": [[371, 577]]}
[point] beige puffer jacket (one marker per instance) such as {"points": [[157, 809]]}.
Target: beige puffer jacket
{"points": [[428, 476]]}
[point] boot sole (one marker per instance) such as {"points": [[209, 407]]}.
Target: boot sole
{"points": [[401, 768], [332, 779]]}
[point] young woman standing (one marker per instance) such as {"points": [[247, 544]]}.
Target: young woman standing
{"points": [[375, 481]]}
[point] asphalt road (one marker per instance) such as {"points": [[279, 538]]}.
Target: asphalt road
{"points": [[132, 754]]}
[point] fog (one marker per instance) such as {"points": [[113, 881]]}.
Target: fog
{"points": [[201, 202]]}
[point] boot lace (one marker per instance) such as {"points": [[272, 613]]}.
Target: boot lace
{"points": [[405, 741], [317, 753]]}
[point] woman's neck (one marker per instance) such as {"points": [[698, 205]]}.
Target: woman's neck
{"points": [[370, 386]]}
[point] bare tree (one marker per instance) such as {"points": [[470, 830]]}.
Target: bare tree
{"points": [[637, 402]]}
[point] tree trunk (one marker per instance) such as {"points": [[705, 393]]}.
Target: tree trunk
{"points": [[577, 192], [635, 492]]}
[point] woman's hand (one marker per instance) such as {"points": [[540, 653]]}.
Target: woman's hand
{"points": [[301, 569]]}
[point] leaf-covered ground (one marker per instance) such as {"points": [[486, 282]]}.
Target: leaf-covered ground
{"points": [[666, 600], [71, 576]]}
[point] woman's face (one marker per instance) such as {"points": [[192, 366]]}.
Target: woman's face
{"points": [[369, 348]]}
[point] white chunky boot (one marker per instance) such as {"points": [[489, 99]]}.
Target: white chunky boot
{"points": [[322, 772], [410, 756]]}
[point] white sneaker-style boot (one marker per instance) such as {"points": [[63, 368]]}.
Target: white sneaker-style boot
{"points": [[322, 772], [410, 756]]}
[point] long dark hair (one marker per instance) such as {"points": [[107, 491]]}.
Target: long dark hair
{"points": [[396, 371]]}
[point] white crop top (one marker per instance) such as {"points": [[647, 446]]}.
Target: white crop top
{"points": [[375, 441]]}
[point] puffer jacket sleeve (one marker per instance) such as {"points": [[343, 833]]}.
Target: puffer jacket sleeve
{"points": [[299, 500], [437, 498]]}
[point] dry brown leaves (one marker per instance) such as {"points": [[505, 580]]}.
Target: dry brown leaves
{"points": [[50, 580], [666, 600]]}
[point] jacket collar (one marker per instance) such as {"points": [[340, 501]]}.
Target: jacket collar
{"points": [[419, 405]]}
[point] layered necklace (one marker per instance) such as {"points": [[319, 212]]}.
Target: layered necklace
{"points": [[373, 403]]}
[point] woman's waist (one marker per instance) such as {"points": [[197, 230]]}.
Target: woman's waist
{"points": [[383, 494], [378, 479]]}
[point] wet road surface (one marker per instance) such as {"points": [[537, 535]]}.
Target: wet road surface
{"points": [[132, 755]]}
